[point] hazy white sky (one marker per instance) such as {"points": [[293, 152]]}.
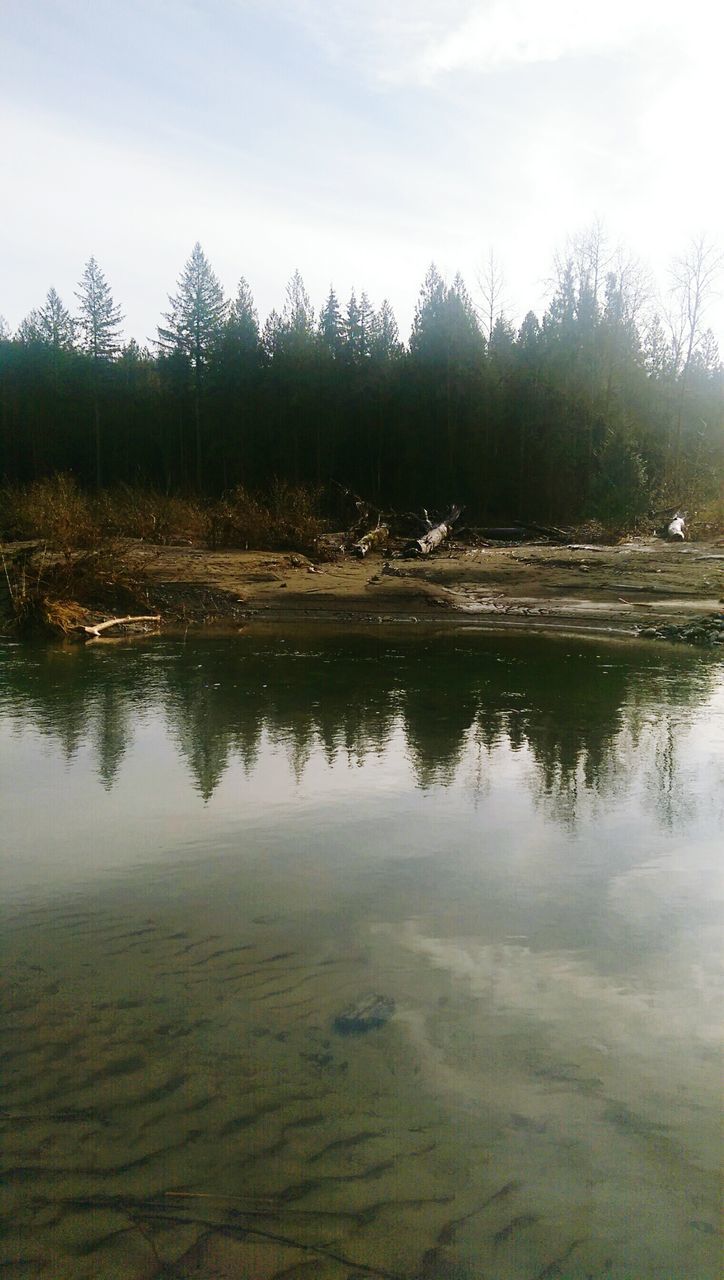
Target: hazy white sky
{"points": [[356, 141]]}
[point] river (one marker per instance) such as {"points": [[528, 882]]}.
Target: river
{"points": [[213, 847]]}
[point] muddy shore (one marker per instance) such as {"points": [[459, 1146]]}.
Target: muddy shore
{"points": [[621, 588]]}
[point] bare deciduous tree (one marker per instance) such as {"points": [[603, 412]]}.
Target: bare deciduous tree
{"points": [[491, 283], [695, 278]]}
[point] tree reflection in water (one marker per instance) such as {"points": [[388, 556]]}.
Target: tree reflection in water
{"points": [[587, 714]]}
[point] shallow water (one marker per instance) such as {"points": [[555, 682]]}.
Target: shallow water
{"points": [[210, 849]]}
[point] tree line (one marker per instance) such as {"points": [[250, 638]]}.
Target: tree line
{"points": [[600, 407]]}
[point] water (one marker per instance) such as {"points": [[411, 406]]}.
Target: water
{"points": [[211, 848]]}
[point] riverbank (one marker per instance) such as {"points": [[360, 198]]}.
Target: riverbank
{"points": [[642, 583], [636, 584]]}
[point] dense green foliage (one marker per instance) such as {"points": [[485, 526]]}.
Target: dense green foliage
{"points": [[596, 409]]}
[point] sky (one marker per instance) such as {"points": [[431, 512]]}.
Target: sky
{"points": [[354, 141]]}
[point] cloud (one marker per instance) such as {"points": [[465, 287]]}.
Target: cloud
{"points": [[509, 33], [424, 41]]}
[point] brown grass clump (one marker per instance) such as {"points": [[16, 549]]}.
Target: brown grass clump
{"points": [[62, 515], [48, 591], [54, 510], [150, 516], [286, 520], [57, 512]]}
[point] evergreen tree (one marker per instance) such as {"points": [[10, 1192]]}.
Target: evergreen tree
{"points": [[502, 339], [298, 313], [237, 362], [358, 327], [657, 353], [360, 337], [529, 334], [271, 336], [98, 322], [52, 325], [242, 325], [198, 310], [194, 326], [331, 326], [384, 334], [99, 317], [428, 319]]}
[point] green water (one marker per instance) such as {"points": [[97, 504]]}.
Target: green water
{"points": [[209, 849]]}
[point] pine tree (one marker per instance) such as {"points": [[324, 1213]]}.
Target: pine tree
{"points": [[242, 325], [358, 327], [51, 324], [384, 333], [297, 316], [529, 334], [237, 361], [658, 356], [98, 322], [331, 325], [99, 317], [271, 335], [428, 312], [197, 313], [194, 327]]}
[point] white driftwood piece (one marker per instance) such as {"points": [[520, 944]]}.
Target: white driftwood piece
{"points": [[432, 538], [95, 630], [675, 530], [435, 533], [379, 534]]}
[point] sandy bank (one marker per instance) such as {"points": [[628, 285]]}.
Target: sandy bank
{"points": [[621, 588]]}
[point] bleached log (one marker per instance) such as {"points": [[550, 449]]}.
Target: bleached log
{"points": [[436, 534], [97, 627], [371, 539]]}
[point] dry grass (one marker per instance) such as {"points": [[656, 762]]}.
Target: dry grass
{"points": [[63, 516], [286, 519], [54, 510], [82, 558], [57, 592], [151, 516]]}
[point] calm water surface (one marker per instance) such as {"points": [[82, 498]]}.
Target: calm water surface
{"points": [[210, 849]]}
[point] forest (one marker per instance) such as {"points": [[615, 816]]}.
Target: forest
{"points": [[603, 407]]}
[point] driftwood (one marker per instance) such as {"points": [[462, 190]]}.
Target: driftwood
{"points": [[545, 530], [520, 532], [372, 538], [436, 534], [94, 631], [502, 533]]}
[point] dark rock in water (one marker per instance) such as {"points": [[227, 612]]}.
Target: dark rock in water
{"points": [[707, 631], [366, 1014]]}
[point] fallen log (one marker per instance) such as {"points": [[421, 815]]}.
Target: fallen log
{"points": [[436, 534], [93, 631], [499, 533], [545, 530], [371, 539]]}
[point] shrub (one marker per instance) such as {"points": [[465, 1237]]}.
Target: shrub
{"points": [[150, 515], [286, 520], [54, 510], [49, 591]]}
